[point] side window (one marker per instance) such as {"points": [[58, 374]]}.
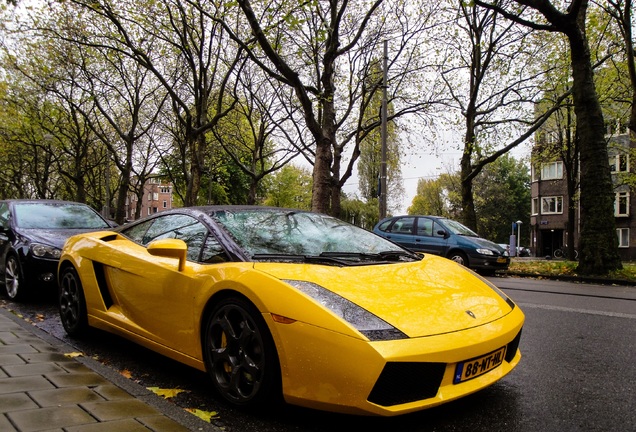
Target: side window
{"points": [[136, 233], [403, 225], [213, 251], [4, 215], [385, 225], [201, 247], [437, 228], [424, 227]]}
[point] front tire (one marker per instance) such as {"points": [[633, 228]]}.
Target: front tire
{"points": [[14, 283], [459, 258], [71, 303], [240, 354]]}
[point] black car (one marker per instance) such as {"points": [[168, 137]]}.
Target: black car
{"points": [[32, 233]]}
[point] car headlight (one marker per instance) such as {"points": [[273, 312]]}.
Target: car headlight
{"points": [[485, 251], [45, 251], [364, 321]]}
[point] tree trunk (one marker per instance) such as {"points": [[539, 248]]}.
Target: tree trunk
{"points": [[599, 244]]}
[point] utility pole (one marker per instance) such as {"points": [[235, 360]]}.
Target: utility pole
{"points": [[383, 191]]}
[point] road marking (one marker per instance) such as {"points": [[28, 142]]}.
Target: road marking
{"points": [[585, 311]]}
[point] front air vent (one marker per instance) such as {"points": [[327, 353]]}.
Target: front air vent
{"points": [[512, 347], [98, 268], [407, 382]]}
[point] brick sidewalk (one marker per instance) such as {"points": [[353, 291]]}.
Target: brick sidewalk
{"points": [[41, 389]]}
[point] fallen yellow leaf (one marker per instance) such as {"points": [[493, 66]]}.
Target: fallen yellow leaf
{"points": [[73, 354], [203, 415], [126, 373], [165, 393]]}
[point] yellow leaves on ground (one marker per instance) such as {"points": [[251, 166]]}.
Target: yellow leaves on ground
{"points": [[73, 354], [126, 373], [203, 415], [165, 393], [206, 416]]}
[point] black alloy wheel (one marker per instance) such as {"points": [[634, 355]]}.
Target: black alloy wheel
{"points": [[240, 354], [72, 305]]}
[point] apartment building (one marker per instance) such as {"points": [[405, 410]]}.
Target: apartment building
{"points": [[157, 197], [550, 201]]}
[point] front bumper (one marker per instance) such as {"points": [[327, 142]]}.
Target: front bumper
{"points": [[326, 370], [40, 273]]}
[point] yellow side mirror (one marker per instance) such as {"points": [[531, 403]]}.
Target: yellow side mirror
{"points": [[170, 248]]}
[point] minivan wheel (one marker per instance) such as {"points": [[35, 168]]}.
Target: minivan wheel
{"points": [[459, 258]]}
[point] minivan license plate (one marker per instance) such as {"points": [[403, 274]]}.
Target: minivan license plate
{"points": [[478, 366]]}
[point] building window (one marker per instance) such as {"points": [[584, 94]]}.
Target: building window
{"points": [[623, 237], [535, 206], [619, 163], [551, 205], [552, 170], [165, 204], [149, 196], [621, 204], [155, 196]]}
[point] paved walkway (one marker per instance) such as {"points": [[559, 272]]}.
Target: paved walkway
{"points": [[42, 389]]}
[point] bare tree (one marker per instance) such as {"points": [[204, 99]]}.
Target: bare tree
{"points": [[324, 51], [192, 60], [599, 245]]}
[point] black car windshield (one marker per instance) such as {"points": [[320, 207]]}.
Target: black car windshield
{"points": [[457, 228], [284, 232], [57, 216]]}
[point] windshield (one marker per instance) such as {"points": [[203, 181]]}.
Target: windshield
{"points": [[457, 228], [299, 233], [57, 216]]}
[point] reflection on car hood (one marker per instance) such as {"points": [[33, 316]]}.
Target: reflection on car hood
{"points": [[423, 298], [482, 242], [52, 237]]}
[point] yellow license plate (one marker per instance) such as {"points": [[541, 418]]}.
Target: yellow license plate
{"points": [[501, 260], [478, 366]]}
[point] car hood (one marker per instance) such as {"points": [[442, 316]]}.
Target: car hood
{"points": [[483, 243], [424, 298], [51, 237]]}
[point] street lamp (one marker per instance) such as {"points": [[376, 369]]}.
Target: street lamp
{"points": [[518, 235]]}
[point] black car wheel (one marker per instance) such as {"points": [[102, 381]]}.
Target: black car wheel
{"points": [[72, 305], [240, 354], [459, 258], [13, 280]]}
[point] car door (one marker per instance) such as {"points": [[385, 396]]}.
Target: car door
{"points": [[428, 238], [154, 299]]}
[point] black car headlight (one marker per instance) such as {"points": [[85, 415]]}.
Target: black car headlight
{"points": [[365, 322], [45, 251]]}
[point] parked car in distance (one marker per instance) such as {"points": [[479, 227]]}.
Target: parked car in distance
{"points": [[445, 237], [281, 304], [32, 234], [521, 251]]}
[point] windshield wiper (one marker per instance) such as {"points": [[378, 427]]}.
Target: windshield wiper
{"points": [[281, 257], [393, 255]]}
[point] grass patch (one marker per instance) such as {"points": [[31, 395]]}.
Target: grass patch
{"points": [[567, 268]]}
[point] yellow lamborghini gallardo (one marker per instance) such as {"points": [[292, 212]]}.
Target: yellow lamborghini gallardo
{"points": [[278, 303]]}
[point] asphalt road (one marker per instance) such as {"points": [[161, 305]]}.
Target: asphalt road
{"points": [[578, 371]]}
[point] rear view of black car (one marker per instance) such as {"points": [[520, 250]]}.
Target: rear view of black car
{"points": [[32, 233]]}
